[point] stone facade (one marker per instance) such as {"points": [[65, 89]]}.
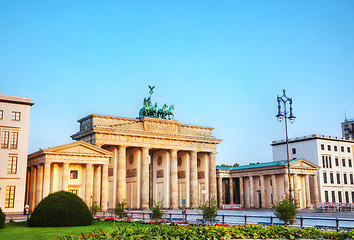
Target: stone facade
{"points": [[14, 131], [77, 167], [260, 185], [154, 159]]}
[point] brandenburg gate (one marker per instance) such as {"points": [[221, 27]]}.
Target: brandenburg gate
{"points": [[155, 158]]}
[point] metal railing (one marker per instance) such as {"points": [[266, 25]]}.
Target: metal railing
{"points": [[337, 224]]}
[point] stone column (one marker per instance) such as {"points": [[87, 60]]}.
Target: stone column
{"points": [[307, 188], [242, 198], [296, 199], [231, 186], [104, 190], [224, 192], [65, 177], [97, 184], [188, 179], [39, 183], [46, 179], [212, 175], [115, 177], [286, 185], [88, 183], [194, 180], [221, 197], [274, 188], [261, 177], [251, 192], [32, 193], [122, 168], [173, 179], [316, 190], [145, 181]]}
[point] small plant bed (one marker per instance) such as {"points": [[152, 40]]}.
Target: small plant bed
{"points": [[164, 231]]}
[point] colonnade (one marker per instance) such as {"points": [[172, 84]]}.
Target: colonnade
{"points": [[255, 192], [50, 177], [169, 173]]}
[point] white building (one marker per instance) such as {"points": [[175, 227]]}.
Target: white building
{"points": [[14, 131], [335, 157]]}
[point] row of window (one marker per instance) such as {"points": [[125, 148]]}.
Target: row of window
{"points": [[327, 162], [9, 139], [10, 196], [339, 195], [15, 116], [335, 148], [331, 178]]}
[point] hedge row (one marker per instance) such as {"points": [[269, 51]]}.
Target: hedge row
{"points": [[214, 232]]}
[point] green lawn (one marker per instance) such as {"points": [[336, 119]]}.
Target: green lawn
{"points": [[19, 230]]}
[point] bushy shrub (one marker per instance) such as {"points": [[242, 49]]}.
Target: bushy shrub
{"points": [[60, 209], [120, 209], [2, 219], [210, 210], [285, 210], [94, 208], [157, 211]]}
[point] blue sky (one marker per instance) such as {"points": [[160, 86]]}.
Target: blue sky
{"points": [[222, 63]]}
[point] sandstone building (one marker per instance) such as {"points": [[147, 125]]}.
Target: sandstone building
{"points": [[14, 131], [137, 160], [260, 185]]}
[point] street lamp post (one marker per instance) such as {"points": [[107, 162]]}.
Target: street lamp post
{"points": [[284, 114]]}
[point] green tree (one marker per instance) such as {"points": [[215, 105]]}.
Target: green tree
{"points": [[209, 210], [94, 208], [120, 209], [157, 211], [285, 210], [2, 219]]}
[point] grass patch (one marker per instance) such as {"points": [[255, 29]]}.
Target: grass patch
{"points": [[19, 230]]}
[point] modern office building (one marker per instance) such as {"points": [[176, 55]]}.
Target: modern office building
{"points": [[335, 157], [14, 132], [348, 128]]}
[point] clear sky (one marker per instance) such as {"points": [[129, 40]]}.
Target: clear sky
{"points": [[222, 63]]}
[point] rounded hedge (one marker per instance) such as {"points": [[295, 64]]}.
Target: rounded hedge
{"points": [[60, 209], [2, 219]]}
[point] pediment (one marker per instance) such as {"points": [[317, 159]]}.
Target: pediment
{"points": [[303, 163], [78, 148]]}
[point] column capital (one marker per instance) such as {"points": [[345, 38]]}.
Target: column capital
{"points": [[122, 147], [145, 148], [174, 150]]}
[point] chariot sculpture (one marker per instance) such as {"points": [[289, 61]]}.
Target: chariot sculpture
{"points": [[148, 110]]}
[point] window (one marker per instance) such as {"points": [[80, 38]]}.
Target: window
{"points": [[322, 147], [1, 114], [326, 196], [337, 162], [352, 196], [343, 162], [10, 196], [74, 191], [348, 149], [346, 197], [338, 178], [351, 178], [330, 162], [5, 139], [342, 149], [329, 147], [335, 148], [13, 140], [73, 174], [12, 165], [331, 177], [271, 184], [293, 150], [345, 178], [349, 162], [324, 177], [339, 196], [16, 116], [323, 162], [333, 196]]}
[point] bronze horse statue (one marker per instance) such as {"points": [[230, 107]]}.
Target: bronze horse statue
{"points": [[169, 112], [161, 113]]}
